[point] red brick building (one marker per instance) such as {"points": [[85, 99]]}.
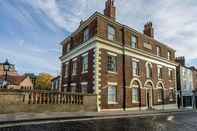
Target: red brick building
{"points": [[127, 69]]}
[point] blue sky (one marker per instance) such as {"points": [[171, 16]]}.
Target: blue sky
{"points": [[31, 30]]}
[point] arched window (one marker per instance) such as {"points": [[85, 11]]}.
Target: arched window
{"points": [[135, 92], [149, 70]]}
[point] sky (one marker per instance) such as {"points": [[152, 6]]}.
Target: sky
{"points": [[31, 30]]}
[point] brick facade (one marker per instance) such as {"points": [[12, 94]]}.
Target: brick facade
{"points": [[98, 77]]}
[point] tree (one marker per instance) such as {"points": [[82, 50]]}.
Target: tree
{"points": [[43, 81]]}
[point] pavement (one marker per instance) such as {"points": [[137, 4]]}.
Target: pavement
{"points": [[50, 116]]}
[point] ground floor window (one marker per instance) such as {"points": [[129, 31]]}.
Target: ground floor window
{"points": [[187, 101], [160, 95], [171, 94], [135, 95], [112, 94]]}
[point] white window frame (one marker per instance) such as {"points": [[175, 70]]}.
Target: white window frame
{"points": [[169, 55], [133, 41], [136, 71], [114, 98], [136, 88], [159, 72], [86, 34], [68, 47], [170, 74], [149, 71], [84, 84], [85, 63], [113, 63], [66, 69], [74, 67], [158, 51], [111, 33], [159, 95]]}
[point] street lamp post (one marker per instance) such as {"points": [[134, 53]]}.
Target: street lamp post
{"points": [[6, 67]]}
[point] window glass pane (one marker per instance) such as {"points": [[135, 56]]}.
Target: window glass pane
{"points": [[85, 63], [135, 66], [74, 68], [111, 94], [135, 94], [111, 33], [86, 34], [112, 61], [133, 41]]}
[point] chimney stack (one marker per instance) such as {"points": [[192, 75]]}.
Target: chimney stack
{"points": [[110, 9], [149, 30]]}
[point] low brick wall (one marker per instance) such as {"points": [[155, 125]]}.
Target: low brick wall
{"points": [[12, 101]]}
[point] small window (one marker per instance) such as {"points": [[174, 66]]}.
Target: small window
{"points": [[169, 55], [170, 74], [135, 67], [84, 88], [111, 33], [160, 92], [68, 47], [171, 94], [85, 64], [135, 94], [149, 70], [112, 63], [159, 72], [66, 70], [158, 51], [74, 67], [86, 34], [111, 94], [133, 41]]}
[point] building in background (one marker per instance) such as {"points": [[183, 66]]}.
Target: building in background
{"points": [[18, 82], [56, 84], [185, 84], [194, 72], [125, 68]]}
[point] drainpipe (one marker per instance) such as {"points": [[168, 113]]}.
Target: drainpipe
{"points": [[123, 70]]}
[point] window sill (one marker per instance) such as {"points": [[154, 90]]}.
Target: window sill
{"points": [[112, 103], [85, 72], [136, 76], [171, 100], [135, 102], [111, 72], [159, 100]]}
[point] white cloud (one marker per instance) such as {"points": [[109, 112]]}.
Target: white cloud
{"points": [[175, 21]]}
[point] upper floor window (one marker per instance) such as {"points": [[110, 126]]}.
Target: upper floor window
{"points": [[149, 70], [74, 67], [112, 63], [133, 41], [170, 74], [135, 67], [111, 33], [66, 69], [169, 55], [112, 94], [86, 34], [159, 72], [158, 51], [85, 63], [68, 47]]}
